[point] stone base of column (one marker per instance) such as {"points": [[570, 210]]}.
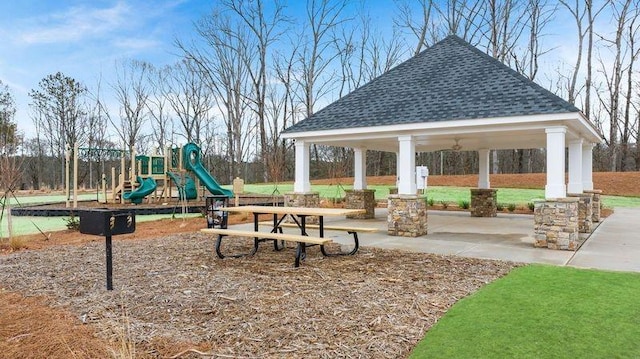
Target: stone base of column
{"points": [[585, 211], [308, 200], [596, 203], [361, 199], [556, 224], [484, 202], [407, 216]]}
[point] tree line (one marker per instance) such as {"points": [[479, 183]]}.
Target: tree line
{"points": [[254, 68]]}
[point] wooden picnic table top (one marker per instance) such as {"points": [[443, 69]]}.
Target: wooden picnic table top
{"points": [[298, 211]]}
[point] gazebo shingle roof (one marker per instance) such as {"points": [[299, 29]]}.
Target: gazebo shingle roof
{"points": [[451, 80]]}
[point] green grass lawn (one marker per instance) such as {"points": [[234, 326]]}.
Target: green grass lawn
{"points": [[520, 197], [516, 196], [542, 312]]}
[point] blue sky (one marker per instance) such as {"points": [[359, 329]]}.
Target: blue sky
{"points": [[83, 39]]}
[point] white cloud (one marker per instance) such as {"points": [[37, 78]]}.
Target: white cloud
{"points": [[136, 44], [76, 24]]}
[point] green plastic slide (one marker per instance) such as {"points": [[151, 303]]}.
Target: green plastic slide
{"points": [[191, 159], [186, 187], [147, 186]]}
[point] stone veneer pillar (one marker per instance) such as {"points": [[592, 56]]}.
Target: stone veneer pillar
{"points": [[407, 216], [595, 203], [585, 211], [309, 199], [484, 202], [361, 199], [556, 224]]}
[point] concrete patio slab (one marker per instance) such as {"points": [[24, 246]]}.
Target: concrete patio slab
{"points": [[614, 245]]}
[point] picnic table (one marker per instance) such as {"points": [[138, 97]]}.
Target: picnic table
{"points": [[299, 216]]}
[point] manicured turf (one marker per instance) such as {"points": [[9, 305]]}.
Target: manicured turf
{"points": [[454, 195], [520, 197], [542, 312]]}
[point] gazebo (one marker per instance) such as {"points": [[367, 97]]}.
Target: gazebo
{"points": [[454, 96]]}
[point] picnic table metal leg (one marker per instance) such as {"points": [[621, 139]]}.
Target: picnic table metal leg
{"points": [[222, 256], [277, 229], [301, 253], [356, 246]]}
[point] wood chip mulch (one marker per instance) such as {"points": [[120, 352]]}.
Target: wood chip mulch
{"points": [[376, 304]]}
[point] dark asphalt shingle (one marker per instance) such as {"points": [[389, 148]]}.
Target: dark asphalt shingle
{"points": [[451, 80]]}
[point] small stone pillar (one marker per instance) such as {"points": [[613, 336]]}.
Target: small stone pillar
{"points": [[309, 200], [585, 211], [595, 203], [484, 202], [361, 199], [556, 224], [407, 216]]}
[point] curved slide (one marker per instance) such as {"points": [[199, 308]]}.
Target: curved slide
{"points": [[147, 185], [191, 159], [186, 190]]}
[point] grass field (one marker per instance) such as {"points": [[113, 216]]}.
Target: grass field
{"points": [[520, 197], [542, 312], [441, 193]]}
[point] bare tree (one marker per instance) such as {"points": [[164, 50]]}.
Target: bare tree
{"points": [[132, 91], [464, 18], [222, 69], [60, 110], [421, 28], [322, 18], [539, 14], [264, 29], [189, 99], [633, 51], [97, 120], [613, 77], [157, 108], [10, 163]]}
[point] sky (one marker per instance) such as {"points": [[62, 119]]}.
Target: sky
{"points": [[83, 39]]}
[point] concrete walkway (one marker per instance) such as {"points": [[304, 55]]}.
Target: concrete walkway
{"points": [[614, 245]]}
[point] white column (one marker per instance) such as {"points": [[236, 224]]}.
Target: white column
{"points": [[587, 166], [483, 169], [555, 187], [360, 170], [302, 184], [398, 169], [575, 167], [407, 167]]}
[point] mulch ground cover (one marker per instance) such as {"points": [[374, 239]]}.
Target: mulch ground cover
{"points": [[174, 298]]}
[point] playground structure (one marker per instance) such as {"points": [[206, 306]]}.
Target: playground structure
{"points": [[179, 166]]}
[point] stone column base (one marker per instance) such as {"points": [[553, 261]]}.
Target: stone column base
{"points": [[596, 203], [556, 224], [585, 211], [361, 199], [308, 200], [484, 202], [407, 216]]}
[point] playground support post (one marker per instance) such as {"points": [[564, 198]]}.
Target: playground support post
{"points": [[67, 156], [75, 176]]}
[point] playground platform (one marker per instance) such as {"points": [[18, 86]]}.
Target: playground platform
{"points": [[60, 210]]}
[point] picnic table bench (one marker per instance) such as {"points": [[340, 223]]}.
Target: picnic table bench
{"points": [[351, 230], [299, 216]]}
